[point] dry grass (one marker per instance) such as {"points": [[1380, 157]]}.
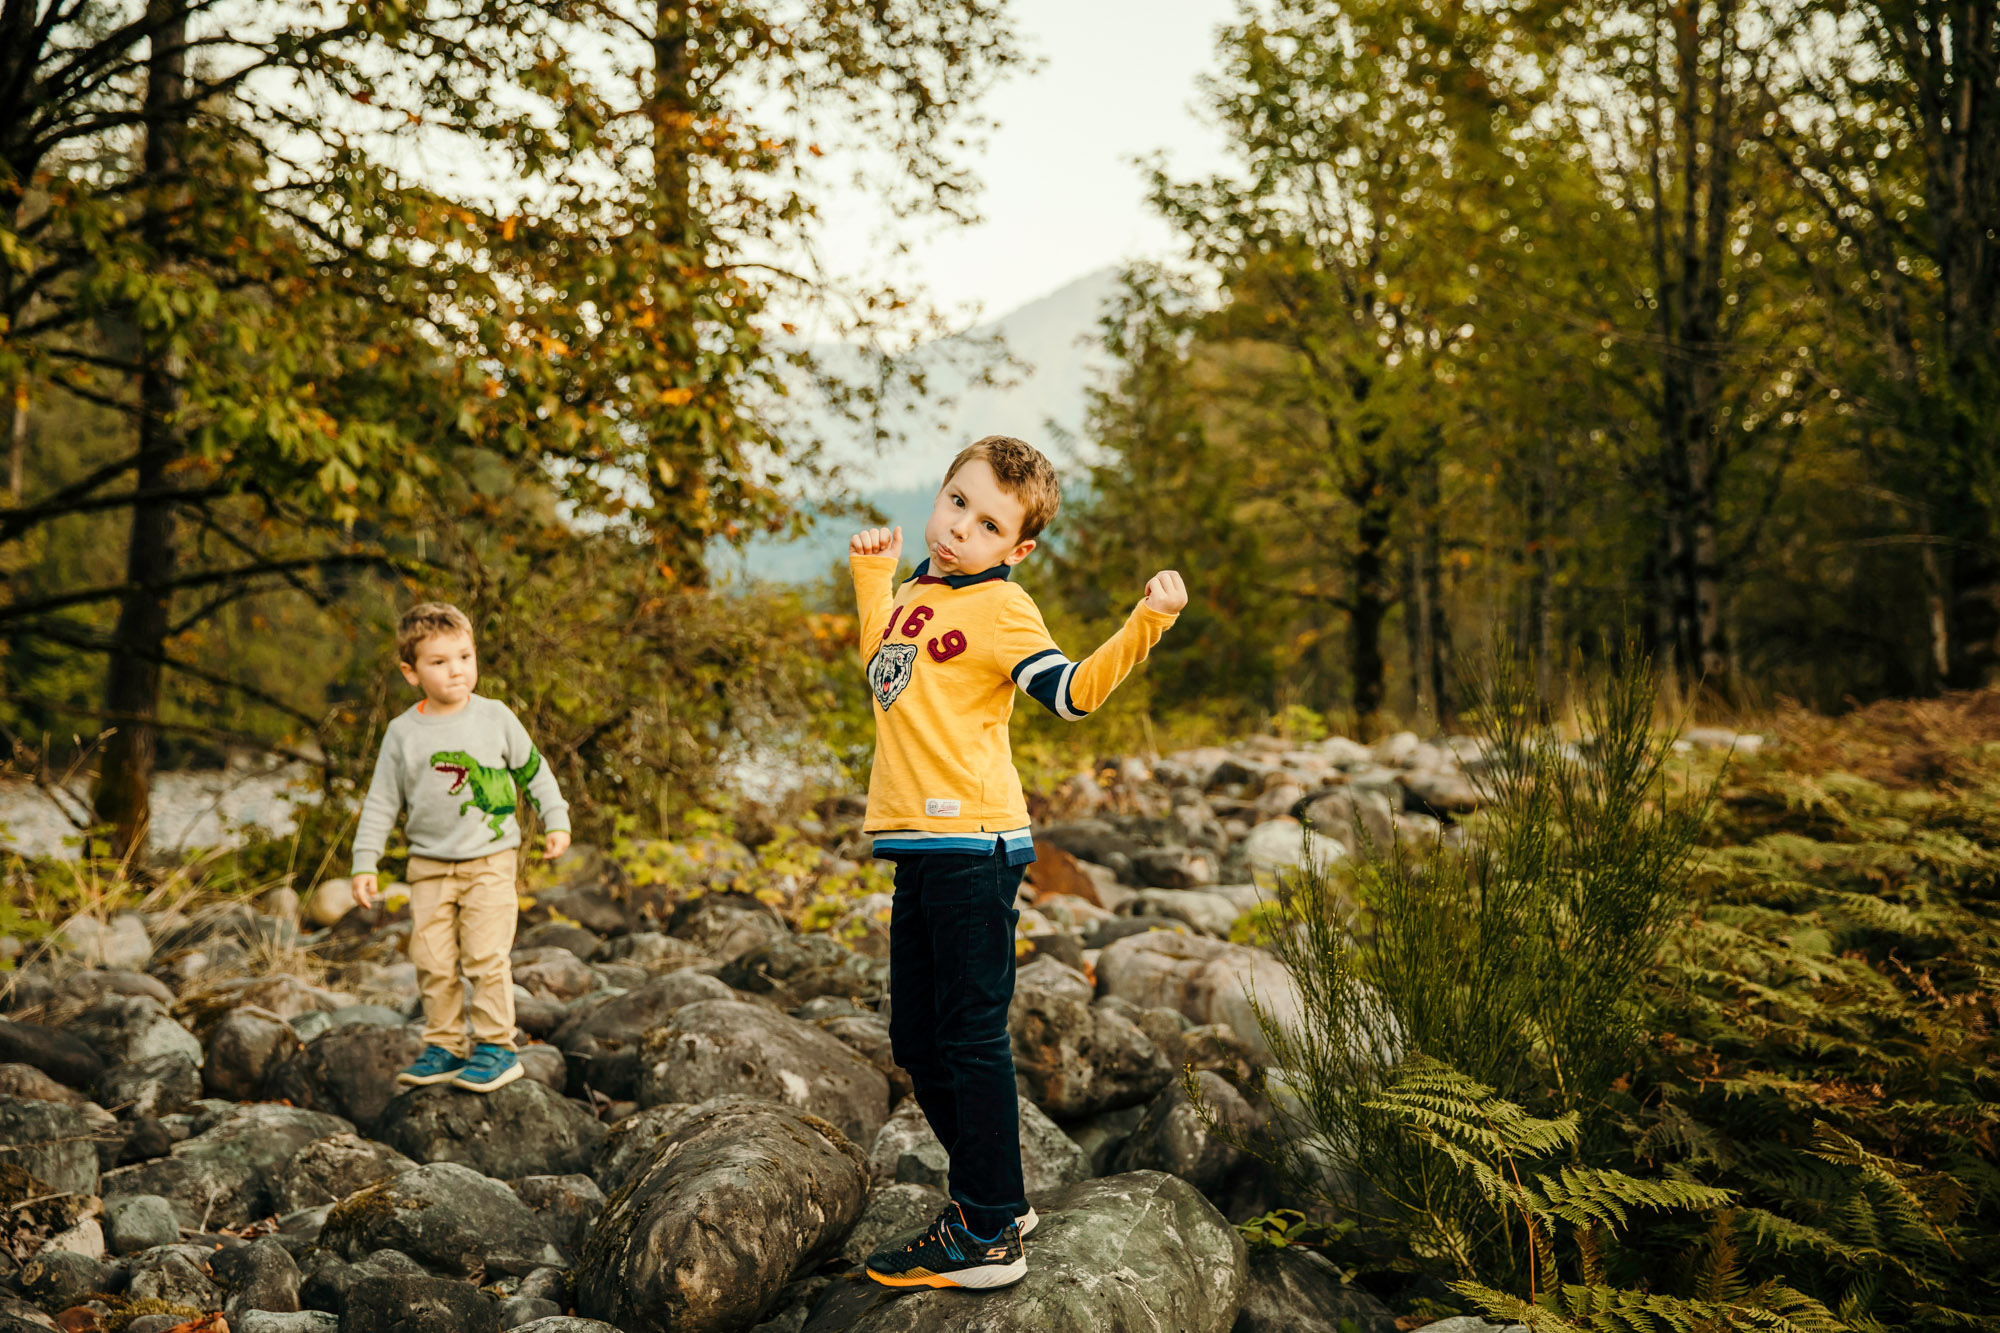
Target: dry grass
{"points": [[1902, 744]]}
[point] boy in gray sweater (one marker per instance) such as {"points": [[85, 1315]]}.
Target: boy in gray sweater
{"points": [[454, 761]]}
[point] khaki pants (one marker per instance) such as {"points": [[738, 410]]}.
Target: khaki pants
{"points": [[462, 916]]}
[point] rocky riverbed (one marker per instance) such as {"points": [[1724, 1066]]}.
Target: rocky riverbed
{"points": [[199, 1127]]}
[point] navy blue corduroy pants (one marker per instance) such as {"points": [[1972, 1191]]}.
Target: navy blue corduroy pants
{"points": [[951, 979]]}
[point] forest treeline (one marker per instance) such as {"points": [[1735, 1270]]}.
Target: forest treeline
{"points": [[1542, 320], [1559, 319], [310, 310]]}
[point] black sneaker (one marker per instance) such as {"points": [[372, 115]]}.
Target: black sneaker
{"points": [[948, 1255]]}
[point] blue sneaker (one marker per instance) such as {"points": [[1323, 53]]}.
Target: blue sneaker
{"points": [[490, 1067], [435, 1065], [948, 1255]]}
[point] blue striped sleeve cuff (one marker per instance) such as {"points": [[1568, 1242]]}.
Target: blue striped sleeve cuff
{"points": [[1045, 678]]}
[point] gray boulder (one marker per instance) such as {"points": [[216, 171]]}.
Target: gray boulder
{"points": [[560, 935], [135, 1222], [631, 1143], [446, 1216], [406, 1304], [891, 1210], [54, 1143], [1360, 818], [1174, 867], [121, 942], [553, 972], [568, 1205], [1288, 1289], [242, 1047], [735, 1048], [1210, 981], [726, 925], [148, 1089], [567, 1323], [1277, 851], [310, 1025], [259, 1276], [906, 1152], [651, 950], [58, 1279], [1442, 792], [326, 1278], [544, 1064], [125, 1028], [1210, 913], [31, 1084], [272, 1321], [1092, 840], [328, 1170], [1102, 1135], [1175, 1137], [518, 1310], [868, 1037], [349, 1070], [1143, 1251], [662, 1259], [227, 1175], [797, 968], [1074, 1058], [537, 1015], [523, 1129], [174, 1275], [601, 1042]]}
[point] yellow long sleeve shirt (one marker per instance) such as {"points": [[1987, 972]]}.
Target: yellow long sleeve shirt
{"points": [[944, 656]]}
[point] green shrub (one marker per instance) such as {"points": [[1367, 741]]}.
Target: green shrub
{"points": [[1514, 955]]}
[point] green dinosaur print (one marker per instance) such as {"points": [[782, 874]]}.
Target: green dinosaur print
{"points": [[493, 789]]}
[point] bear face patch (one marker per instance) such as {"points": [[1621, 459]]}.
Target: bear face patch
{"points": [[889, 671]]}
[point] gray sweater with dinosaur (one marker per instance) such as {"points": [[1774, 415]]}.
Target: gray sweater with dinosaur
{"points": [[457, 775]]}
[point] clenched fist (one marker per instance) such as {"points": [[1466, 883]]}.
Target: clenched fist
{"points": [[1166, 593], [877, 541]]}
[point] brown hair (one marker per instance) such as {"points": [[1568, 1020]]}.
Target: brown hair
{"points": [[422, 621], [1023, 473]]}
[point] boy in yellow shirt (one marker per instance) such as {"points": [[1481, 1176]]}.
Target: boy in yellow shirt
{"points": [[944, 653]]}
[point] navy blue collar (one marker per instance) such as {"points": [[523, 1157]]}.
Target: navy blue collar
{"points": [[999, 571]]}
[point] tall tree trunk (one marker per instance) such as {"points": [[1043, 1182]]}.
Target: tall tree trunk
{"points": [[1437, 611], [1937, 604], [1956, 48], [1541, 572], [1369, 598], [17, 444], [1416, 628], [679, 515], [132, 680], [1688, 264]]}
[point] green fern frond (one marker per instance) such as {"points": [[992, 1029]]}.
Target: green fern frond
{"points": [[1772, 1307], [1583, 1196]]}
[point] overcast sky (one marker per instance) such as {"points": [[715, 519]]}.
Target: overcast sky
{"points": [[1062, 197]]}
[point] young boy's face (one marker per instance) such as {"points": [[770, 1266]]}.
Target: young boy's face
{"points": [[975, 524], [446, 669]]}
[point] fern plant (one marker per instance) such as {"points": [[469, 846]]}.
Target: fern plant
{"points": [[1777, 977], [1515, 955], [1517, 1164]]}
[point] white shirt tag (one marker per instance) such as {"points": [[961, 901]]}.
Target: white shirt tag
{"points": [[941, 809]]}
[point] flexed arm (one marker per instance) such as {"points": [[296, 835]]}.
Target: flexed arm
{"points": [[1071, 690], [872, 557]]}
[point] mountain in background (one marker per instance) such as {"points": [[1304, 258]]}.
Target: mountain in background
{"points": [[1061, 357]]}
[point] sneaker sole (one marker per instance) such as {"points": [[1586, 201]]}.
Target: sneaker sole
{"points": [[983, 1278], [500, 1080], [409, 1080]]}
